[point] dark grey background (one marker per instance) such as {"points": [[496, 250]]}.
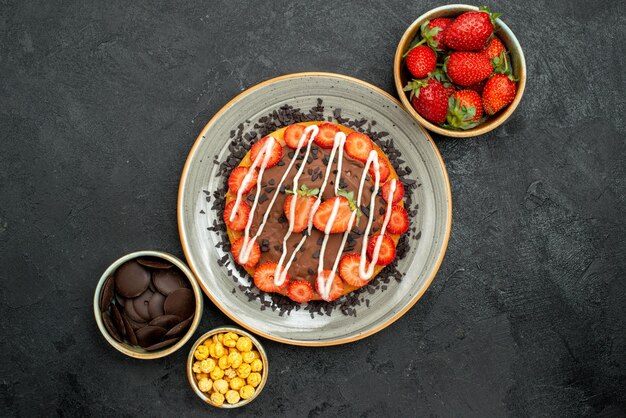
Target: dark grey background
{"points": [[100, 103]]}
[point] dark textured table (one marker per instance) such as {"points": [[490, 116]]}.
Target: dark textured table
{"points": [[100, 103]]}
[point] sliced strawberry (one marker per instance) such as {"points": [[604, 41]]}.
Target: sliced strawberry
{"points": [[326, 136], [387, 251], [349, 270], [255, 254], [264, 278], [241, 217], [398, 221], [236, 179], [293, 134], [336, 289], [383, 168], [358, 146], [300, 291], [322, 215], [275, 156], [304, 205], [398, 194]]}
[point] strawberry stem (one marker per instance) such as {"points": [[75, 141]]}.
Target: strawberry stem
{"points": [[413, 46]]}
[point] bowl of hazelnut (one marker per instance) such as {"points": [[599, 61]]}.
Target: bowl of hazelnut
{"points": [[227, 367]]}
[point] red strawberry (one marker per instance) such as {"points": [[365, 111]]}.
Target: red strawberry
{"points": [[430, 99], [254, 257], [498, 93], [470, 31], [336, 289], [326, 136], [398, 221], [275, 156], [349, 270], [494, 49], [305, 199], [420, 61], [478, 87], [264, 278], [387, 251], [433, 30], [467, 68], [300, 291], [398, 194], [465, 109], [383, 168], [358, 146], [323, 212], [292, 135], [236, 179], [241, 217]]}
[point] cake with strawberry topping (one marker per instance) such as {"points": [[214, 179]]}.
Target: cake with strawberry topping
{"points": [[314, 211]]}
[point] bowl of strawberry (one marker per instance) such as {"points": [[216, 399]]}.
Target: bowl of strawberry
{"points": [[459, 70]]}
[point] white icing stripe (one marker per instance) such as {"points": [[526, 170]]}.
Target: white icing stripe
{"points": [[364, 273], [266, 152], [379, 240], [281, 274]]}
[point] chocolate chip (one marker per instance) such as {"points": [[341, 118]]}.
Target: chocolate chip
{"points": [[179, 329], [166, 321], [108, 324], [131, 279], [180, 302], [130, 332], [120, 300], [140, 303], [129, 310], [155, 305], [107, 294], [162, 344], [166, 281], [150, 335], [154, 263], [117, 320], [134, 324]]}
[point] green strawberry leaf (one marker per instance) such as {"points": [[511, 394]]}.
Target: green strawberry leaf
{"points": [[414, 87], [429, 34], [350, 197], [460, 117]]}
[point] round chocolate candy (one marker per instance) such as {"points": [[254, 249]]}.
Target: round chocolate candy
{"points": [[134, 324], [154, 263], [140, 303], [179, 329], [155, 305], [107, 294], [162, 344], [131, 279], [180, 302], [108, 324], [166, 321], [120, 300], [130, 312], [130, 332], [117, 320], [149, 335], [166, 281]]}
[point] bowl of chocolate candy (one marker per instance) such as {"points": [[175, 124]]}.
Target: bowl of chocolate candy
{"points": [[147, 304]]}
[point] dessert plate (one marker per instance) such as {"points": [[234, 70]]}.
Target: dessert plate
{"points": [[356, 99]]}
